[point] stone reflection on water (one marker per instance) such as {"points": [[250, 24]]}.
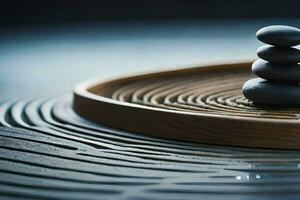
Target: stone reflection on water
{"points": [[248, 177]]}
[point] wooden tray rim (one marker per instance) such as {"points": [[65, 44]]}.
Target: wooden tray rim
{"points": [[83, 90]]}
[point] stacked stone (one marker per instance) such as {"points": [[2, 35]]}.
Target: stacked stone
{"points": [[277, 68]]}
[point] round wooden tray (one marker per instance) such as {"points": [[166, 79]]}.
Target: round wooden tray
{"points": [[202, 104]]}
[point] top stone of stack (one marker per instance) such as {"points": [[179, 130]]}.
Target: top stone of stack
{"points": [[278, 35]]}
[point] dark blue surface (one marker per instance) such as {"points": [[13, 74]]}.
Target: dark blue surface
{"points": [[54, 154]]}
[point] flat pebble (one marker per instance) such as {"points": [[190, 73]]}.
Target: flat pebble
{"points": [[265, 93], [278, 54], [279, 35], [288, 73]]}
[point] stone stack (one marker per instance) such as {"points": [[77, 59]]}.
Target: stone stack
{"points": [[278, 69]]}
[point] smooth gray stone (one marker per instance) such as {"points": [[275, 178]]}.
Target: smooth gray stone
{"points": [[279, 35], [288, 73], [279, 54], [265, 93]]}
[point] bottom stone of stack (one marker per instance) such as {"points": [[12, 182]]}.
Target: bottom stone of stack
{"points": [[266, 93]]}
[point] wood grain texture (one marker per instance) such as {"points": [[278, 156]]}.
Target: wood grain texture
{"points": [[49, 152], [202, 104]]}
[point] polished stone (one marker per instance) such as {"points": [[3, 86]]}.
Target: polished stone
{"points": [[278, 54], [262, 92], [279, 35], [289, 73]]}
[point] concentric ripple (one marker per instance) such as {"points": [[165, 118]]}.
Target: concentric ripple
{"points": [[49, 152]]}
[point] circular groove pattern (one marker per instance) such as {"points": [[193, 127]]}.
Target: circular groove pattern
{"points": [[203, 104], [47, 151], [77, 159], [194, 94]]}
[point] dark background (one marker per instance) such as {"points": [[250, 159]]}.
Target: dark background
{"points": [[19, 12], [48, 47]]}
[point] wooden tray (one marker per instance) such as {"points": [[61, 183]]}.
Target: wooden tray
{"points": [[202, 104]]}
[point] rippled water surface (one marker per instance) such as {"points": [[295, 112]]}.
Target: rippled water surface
{"points": [[49, 152]]}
